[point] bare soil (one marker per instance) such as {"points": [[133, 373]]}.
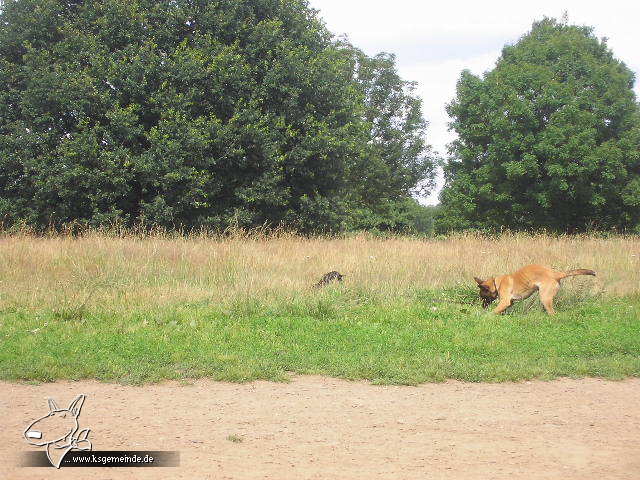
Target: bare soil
{"points": [[324, 428]]}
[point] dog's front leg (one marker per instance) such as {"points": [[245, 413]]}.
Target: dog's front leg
{"points": [[505, 295], [505, 302]]}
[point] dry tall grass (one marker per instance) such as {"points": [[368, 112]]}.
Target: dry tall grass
{"points": [[107, 272]]}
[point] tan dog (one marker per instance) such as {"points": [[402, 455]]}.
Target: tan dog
{"points": [[522, 284]]}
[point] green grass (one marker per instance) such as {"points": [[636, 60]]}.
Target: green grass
{"points": [[338, 333]]}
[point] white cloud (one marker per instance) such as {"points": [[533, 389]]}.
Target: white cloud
{"points": [[434, 41]]}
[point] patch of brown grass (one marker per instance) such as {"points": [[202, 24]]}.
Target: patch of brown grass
{"points": [[108, 271]]}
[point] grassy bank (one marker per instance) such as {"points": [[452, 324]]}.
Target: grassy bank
{"points": [[146, 309], [405, 343]]}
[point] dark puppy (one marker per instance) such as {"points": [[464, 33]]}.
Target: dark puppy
{"points": [[327, 278]]}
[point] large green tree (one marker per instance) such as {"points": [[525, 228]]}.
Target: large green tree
{"points": [[178, 113], [397, 162], [550, 138]]}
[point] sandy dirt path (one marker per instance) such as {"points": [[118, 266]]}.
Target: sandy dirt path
{"points": [[324, 428]]}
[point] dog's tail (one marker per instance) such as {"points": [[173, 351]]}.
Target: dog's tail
{"points": [[573, 273]]}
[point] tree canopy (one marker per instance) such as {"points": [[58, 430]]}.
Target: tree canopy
{"points": [[208, 113], [550, 138]]}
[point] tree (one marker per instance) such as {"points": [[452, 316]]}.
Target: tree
{"points": [[396, 162], [179, 113], [550, 138]]}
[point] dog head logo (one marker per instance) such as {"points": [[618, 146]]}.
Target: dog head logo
{"points": [[58, 431]]}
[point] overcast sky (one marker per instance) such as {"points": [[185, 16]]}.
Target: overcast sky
{"points": [[435, 41]]}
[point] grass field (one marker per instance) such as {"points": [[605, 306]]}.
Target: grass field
{"points": [[137, 309]]}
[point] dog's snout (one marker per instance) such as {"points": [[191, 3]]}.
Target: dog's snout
{"points": [[34, 434]]}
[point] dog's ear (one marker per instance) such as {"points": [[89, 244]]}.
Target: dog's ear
{"points": [[478, 281], [76, 405]]}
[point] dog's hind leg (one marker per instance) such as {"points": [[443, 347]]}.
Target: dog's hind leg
{"points": [[547, 294]]}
